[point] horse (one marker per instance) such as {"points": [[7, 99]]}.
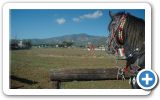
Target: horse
{"points": [[128, 32]]}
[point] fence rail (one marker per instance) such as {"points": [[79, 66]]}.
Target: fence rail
{"points": [[85, 74]]}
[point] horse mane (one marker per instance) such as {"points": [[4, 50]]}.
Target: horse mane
{"points": [[134, 30]]}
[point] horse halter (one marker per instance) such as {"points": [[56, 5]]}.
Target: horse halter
{"points": [[118, 33]]}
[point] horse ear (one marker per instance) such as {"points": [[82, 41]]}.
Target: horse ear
{"points": [[110, 14]]}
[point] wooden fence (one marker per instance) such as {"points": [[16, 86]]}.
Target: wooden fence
{"points": [[85, 74]]}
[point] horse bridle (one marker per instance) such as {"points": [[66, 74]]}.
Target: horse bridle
{"points": [[117, 34]]}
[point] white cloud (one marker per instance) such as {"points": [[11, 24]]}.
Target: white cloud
{"points": [[60, 21], [93, 15]]}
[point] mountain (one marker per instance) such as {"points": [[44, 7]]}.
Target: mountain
{"points": [[77, 39]]}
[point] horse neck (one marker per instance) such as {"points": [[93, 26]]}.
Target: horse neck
{"points": [[134, 32]]}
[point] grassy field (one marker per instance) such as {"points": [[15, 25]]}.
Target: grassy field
{"points": [[29, 69]]}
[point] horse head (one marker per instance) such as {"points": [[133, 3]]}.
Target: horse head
{"points": [[116, 26], [128, 32], [117, 37]]}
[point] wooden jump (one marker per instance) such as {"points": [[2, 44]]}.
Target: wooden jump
{"points": [[85, 74]]}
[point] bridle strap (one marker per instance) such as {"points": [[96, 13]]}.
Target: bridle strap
{"points": [[121, 27], [118, 33]]}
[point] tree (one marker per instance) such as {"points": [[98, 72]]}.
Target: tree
{"points": [[67, 44]]}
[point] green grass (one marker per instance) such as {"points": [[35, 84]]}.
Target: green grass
{"points": [[109, 84], [35, 65]]}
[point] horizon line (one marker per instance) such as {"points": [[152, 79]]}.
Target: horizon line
{"points": [[59, 36]]}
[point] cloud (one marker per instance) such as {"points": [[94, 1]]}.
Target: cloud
{"points": [[93, 15], [60, 21]]}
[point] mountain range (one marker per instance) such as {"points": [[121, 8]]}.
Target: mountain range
{"points": [[81, 39]]}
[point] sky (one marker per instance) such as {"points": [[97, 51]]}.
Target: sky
{"points": [[47, 23]]}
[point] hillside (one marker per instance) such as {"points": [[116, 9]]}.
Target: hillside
{"points": [[77, 39]]}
